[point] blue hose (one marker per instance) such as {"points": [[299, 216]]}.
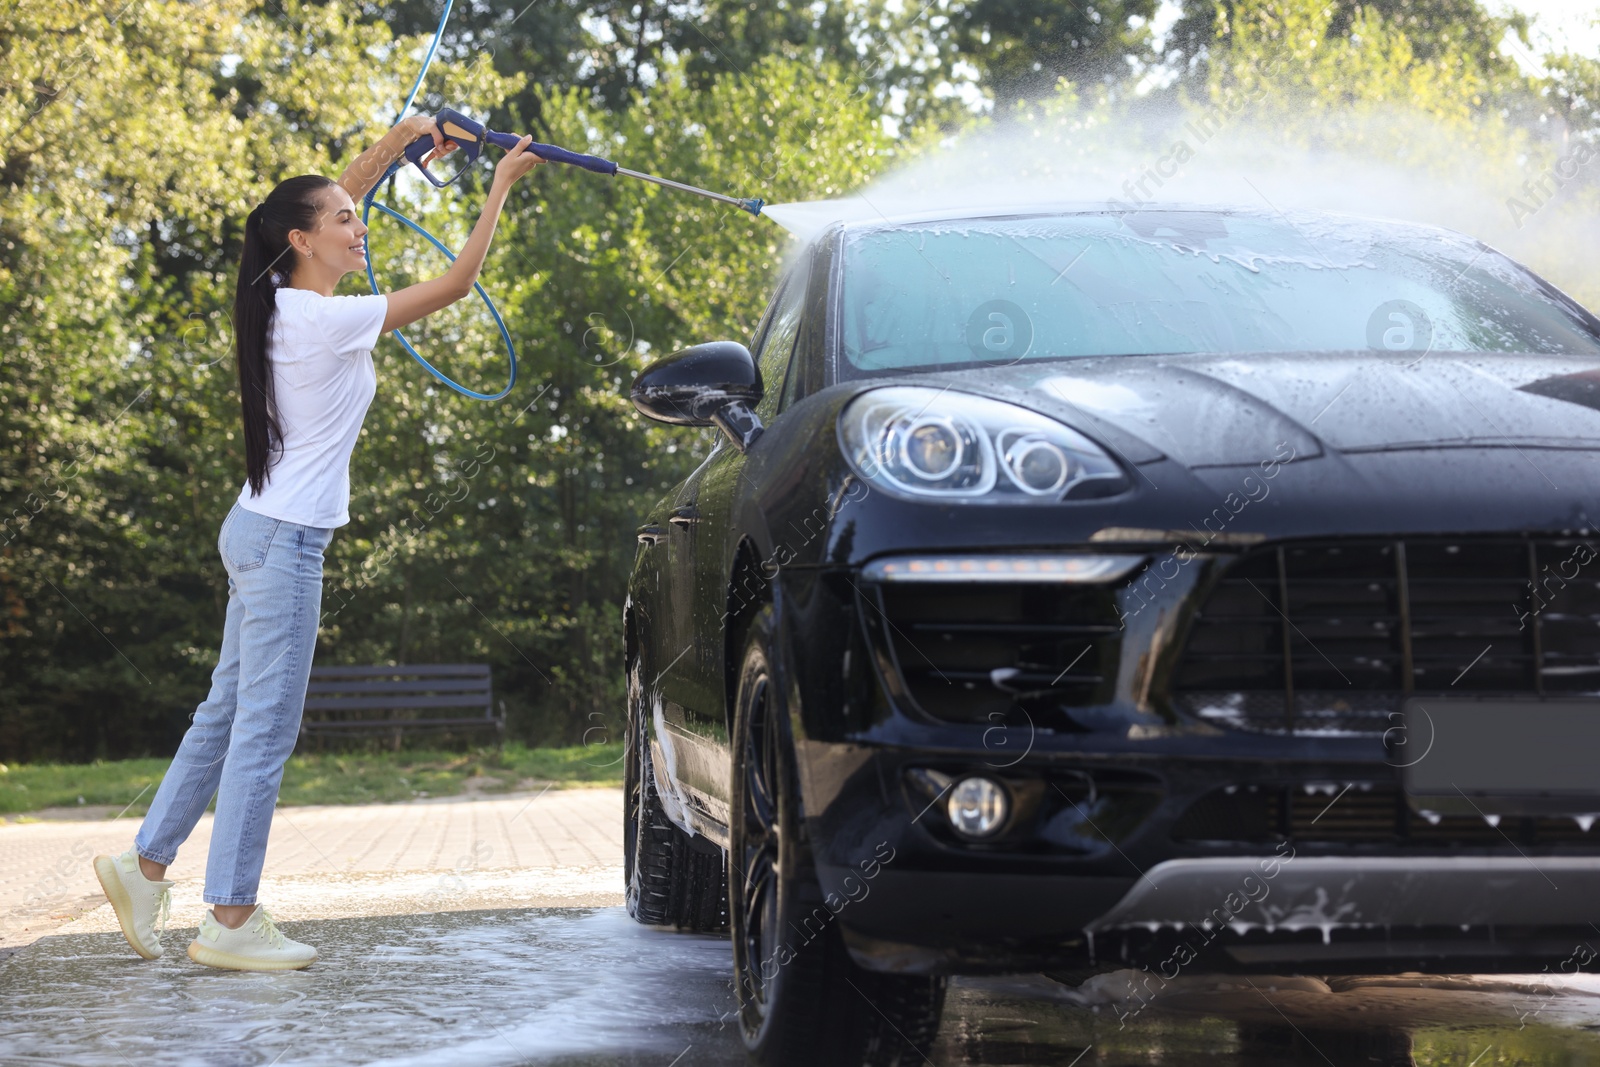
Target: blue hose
{"points": [[367, 205]]}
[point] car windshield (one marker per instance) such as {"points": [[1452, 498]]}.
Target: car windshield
{"points": [[945, 294]]}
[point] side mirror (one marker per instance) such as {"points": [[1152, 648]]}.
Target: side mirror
{"points": [[711, 384]]}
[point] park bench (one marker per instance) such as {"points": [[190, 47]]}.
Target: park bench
{"points": [[356, 701]]}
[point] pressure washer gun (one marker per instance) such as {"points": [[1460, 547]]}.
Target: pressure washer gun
{"points": [[473, 136]]}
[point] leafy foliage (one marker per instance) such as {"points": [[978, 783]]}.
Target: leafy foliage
{"points": [[1024, 47], [480, 533], [1433, 29], [136, 134]]}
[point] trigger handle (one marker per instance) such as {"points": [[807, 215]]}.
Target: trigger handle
{"points": [[466, 133], [416, 150]]}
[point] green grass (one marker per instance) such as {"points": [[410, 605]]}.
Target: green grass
{"points": [[323, 778]]}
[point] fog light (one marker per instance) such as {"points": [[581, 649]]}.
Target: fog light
{"points": [[977, 807]]}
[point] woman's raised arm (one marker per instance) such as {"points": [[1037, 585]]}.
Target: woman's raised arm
{"points": [[366, 169], [423, 299]]}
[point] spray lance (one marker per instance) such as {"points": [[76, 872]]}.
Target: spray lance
{"points": [[473, 136]]}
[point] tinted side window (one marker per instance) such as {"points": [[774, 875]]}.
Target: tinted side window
{"points": [[778, 344], [812, 365], [791, 383]]}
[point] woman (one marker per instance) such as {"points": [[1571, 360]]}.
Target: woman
{"points": [[306, 379]]}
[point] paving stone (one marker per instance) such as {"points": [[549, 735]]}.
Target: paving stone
{"points": [[46, 878]]}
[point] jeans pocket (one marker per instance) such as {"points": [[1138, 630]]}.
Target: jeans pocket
{"points": [[246, 539]]}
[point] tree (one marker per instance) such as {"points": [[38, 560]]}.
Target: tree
{"points": [[1574, 87], [614, 52], [494, 533], [1024, 47], [1440, 119], [1431, 27], [137, 135]]}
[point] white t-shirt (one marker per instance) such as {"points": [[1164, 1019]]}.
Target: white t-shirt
{"points": [[320, 348]]}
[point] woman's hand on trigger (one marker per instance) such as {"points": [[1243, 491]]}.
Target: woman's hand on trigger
{"points": [[423, 126], [515, 163]]}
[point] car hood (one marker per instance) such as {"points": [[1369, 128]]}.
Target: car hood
{"points": [[1210, 411]]}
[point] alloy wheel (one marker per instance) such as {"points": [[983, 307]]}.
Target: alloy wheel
{"points": [[762, 854]]}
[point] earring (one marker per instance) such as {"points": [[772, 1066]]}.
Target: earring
{"points": [[308, 255]]}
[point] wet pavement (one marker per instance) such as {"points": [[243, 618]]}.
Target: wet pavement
{"points": [[587, 986], [564, 986]]}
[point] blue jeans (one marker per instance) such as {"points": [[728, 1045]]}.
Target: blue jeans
{"points": [[245, 729]]}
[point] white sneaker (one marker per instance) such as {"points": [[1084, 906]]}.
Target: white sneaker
{"points": [[257, 945], [142, 906]]}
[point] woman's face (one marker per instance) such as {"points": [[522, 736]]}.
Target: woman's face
{"points": [[336, 240]]}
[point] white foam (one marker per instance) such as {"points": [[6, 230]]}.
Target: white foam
{"points": [[1415, 170]]}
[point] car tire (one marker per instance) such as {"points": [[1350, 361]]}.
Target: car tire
{"points": [[672, 879], [801, 999]]}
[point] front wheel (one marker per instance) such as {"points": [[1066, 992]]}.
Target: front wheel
{"points": [[802, 1000]]}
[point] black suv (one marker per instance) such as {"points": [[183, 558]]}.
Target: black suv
{"points": [[1180, 588]]}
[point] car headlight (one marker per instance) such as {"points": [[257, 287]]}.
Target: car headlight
{"points": [[925, 443]]}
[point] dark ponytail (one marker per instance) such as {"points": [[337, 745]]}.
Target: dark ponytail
{"points": [[265, 264]]}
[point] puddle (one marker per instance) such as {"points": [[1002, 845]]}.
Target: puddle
{"points": [[566, 986], [588, 987], [1266, 1021]]}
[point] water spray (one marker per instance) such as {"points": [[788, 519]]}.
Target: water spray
{"points": [[472, 137]]}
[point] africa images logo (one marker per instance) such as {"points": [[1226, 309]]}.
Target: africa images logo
{"points": [[999, 331], [1401, 331]]}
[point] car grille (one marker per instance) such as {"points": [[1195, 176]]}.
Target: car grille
{"points": [[999, 652], [1331, 637], [1364, 813]]}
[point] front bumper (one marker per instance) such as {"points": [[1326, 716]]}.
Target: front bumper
{"points": [[1111, 865], [1116, 781], [1323, 893], [1326, 915]]}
